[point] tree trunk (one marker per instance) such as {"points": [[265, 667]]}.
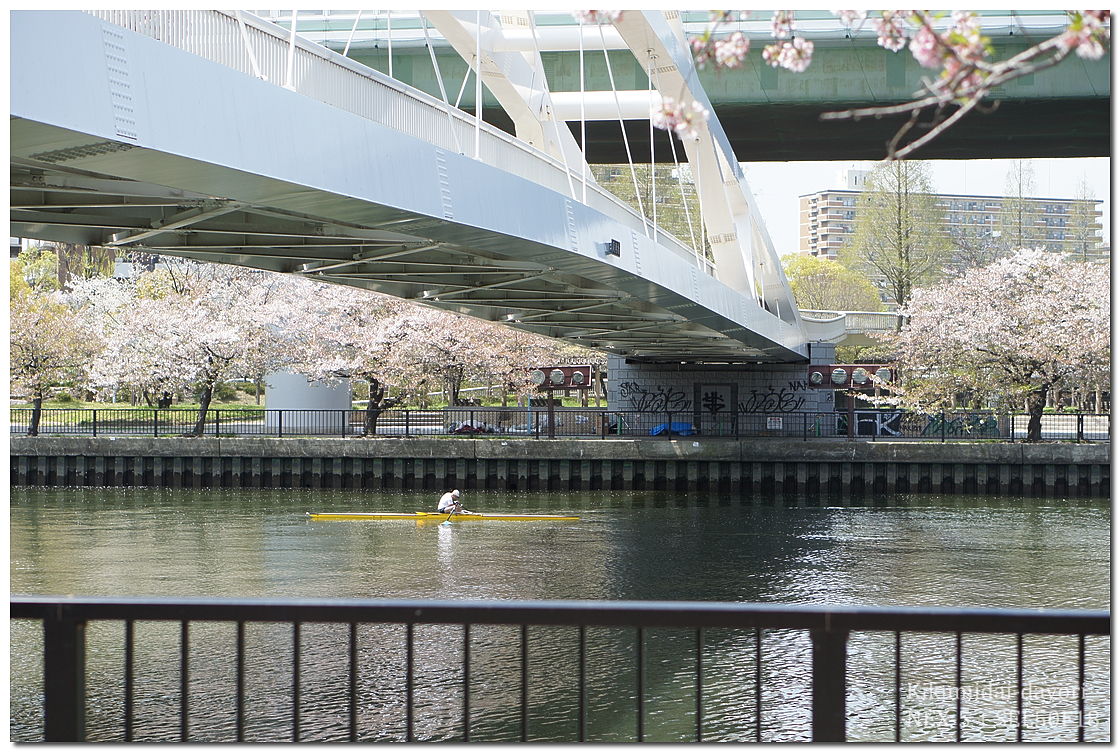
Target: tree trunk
{"points": [[203, 407], [36, 416], [373, 407], [1036, 401]]}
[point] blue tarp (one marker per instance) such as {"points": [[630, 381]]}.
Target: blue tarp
{"points": [[681, 429]]}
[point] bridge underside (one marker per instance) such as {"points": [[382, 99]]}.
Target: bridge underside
{"points": [[71, 187]]}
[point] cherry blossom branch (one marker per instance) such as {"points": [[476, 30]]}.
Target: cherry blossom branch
{"points": [[966, 77]]}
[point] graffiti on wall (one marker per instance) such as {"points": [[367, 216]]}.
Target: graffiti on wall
{"points": [[784, 400], [659, 398]]}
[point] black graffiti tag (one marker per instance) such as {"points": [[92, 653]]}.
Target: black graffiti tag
{"points": [[657, 398], [713, 402], [780, 401]]}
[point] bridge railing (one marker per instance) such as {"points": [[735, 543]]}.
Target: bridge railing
{"points": [[571, 422], [859, 321], [328, 77], [376, 683]]}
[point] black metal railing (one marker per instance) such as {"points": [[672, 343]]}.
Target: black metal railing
{"points": [[65, 620], [536, 422]]}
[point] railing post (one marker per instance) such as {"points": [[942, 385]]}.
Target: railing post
{"points": [[64, 677], [217, 422], [155, 422], [95, 421], [1080, 427], [804, 426], [668, 425], [944, 425], [406, 414], [830, 658]]}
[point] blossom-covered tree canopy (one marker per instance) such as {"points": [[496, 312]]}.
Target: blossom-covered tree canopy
{"points": [[1008, 332], [48, 347]]}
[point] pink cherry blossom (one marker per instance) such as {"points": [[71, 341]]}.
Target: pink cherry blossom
{"points": [[794, 55], [680, 118], [730, 52], [850, 18], [926, 48], [781, 24], [891, 28], [1087, 33], [702, 49], [597, 16]]}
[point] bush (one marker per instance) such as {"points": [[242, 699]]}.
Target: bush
{"points": [[63, 397], [223, 392]]}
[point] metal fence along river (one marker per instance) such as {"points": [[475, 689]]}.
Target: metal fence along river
{"points": [[540, 423], [827, 663]]}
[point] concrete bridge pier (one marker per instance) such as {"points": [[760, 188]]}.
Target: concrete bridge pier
{"points": [[769, 399]]}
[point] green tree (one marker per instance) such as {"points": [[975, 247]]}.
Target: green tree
{"points": [[821, 284], [1018, 223], [898, 240], [35, 268], [670, 194], [1083, 227]]}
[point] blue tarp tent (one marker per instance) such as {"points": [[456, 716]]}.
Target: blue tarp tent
{"points": [[681, 429]]}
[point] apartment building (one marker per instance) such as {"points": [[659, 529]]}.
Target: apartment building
{"points": [[828, 219]]}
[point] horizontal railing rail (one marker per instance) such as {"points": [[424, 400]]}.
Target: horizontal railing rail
{"points": [[566, 422], [64, 623]]}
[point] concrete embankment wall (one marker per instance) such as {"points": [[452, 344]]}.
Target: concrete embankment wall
{"points": [[768, 467]]}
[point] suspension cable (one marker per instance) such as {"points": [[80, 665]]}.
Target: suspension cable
{"points": [[652, 151], [463, 86], [478, 84], [439, 80], [684, 199], [389, 34], [249, 47], [552, 114], [350, 38], [622, 125], [582, 113], [291, 53]]}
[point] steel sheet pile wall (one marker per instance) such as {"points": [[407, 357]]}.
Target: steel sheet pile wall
{"points": [[762, 468]]}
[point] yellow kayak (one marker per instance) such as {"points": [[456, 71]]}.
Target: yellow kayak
{"points": [[435, 516]]}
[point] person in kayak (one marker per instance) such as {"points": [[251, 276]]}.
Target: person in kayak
{"points": [[449, 503]]}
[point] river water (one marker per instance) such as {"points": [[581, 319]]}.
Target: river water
{"points": [[920, 551]]}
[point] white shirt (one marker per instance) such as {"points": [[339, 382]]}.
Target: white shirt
{"points": [[446, 502]]}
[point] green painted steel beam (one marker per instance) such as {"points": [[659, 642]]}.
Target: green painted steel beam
{"points": [[774, 115]]}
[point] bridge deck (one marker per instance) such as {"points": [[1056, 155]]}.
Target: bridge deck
{"points": [[223, 166]]}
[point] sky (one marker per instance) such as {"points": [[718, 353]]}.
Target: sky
{"points": [[777, 185]]}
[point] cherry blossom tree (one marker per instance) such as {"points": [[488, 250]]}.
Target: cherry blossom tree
{"points": [[48, 347], [967, 75], [1011, 332], [190, 338], [454, 348], [326, 332]]}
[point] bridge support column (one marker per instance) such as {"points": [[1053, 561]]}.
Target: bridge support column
{"points": [[727, 400]]}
